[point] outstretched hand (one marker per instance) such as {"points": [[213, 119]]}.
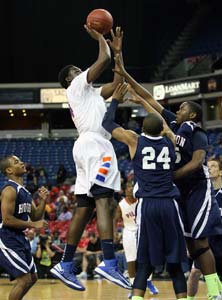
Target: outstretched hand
{"points": [[134, 97], [120, 91], [117, 40], [92, 32]]}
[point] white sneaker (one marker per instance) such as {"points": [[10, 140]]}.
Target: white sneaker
{"points": [[82, 275]]}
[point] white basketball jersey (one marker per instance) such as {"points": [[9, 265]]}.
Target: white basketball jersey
{"points": [[128, 214], [87, 106]]}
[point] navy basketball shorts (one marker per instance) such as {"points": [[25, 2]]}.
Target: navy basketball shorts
{"points": [[160, 232], [15, 257], [200, 211]]}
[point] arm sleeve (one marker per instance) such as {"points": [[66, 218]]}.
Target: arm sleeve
{"points": [[200, 141], [168, 116], [109, 118]]}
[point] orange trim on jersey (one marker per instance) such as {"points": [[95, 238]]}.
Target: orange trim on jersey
{"points": [[103, 171], [107, 158]]}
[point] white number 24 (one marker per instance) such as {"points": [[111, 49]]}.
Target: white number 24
{"points": [[150, 158]]}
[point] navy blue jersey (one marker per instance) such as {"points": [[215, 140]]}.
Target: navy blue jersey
{"points": [[189, 138], [218, 196], [153, 167], [23, 204]]}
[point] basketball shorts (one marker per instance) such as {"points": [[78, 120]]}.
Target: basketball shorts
{"points": [[160, 232], [129, 244], [96, 163], [200, 212], [15, 256]]}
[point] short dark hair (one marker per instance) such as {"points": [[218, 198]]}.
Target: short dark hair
{"points": [[5, 163], [64, 72], [197, 109], [152, 124]]}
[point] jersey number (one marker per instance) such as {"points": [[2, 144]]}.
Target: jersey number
{"points": [[150, 157]]}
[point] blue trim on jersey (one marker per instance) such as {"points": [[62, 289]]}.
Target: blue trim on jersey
{"points": [[107, 164], [100, 178]]}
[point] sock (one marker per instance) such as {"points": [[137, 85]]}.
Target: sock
{"points": [[137, 298], [108, 249], [190, 298], [132, 280], [212, 284], [69, 253], [182, 298]]}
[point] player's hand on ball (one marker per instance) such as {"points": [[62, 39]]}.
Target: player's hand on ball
{"points": [[93, 33], [120, 91], [117, 39], [43, 193]]}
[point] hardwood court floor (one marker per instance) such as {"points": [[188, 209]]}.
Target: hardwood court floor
{"points": [[95, 290]]}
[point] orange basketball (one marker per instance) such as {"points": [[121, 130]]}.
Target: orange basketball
{"points": [[100, 20]]}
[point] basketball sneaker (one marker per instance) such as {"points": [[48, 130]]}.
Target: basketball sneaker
{"points": [[65, 271], [130, 295], [152, 288], [108, 269]]}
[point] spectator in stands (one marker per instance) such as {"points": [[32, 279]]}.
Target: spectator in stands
{"points": [[65, 215], [31, 179], [61, 174], [92, 257], [50, 210], [55, 238], [54, 193], [44, 254], [33, 239], [61, 197], [42, 177]]}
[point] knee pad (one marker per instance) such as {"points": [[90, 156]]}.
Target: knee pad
{"points": [[199, 252]]}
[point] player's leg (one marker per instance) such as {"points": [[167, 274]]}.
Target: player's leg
{"points": [[104, 207], [178, 279], [174, 246], [193, 283], [216, 247], [143, 265], [65, 270], [200, 251], [23, 284], [129, 246], [204, 220]]}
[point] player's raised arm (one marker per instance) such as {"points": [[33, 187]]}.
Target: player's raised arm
{"points": [[116, 45], [127, 137], [37, 212], [135, 98], [104, 56], [139, 89]]}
